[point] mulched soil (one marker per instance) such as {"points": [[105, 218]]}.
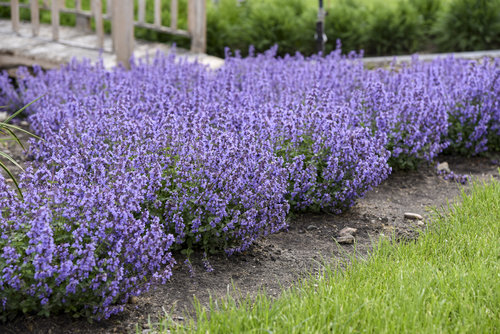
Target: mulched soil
{"points": [[279, 260]]}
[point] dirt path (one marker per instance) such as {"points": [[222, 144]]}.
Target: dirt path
{"points": [[278, 260]]}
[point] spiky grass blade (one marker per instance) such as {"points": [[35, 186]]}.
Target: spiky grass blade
{"points": [[14, 127], [19, 111], [9, 173], [13, 136]]}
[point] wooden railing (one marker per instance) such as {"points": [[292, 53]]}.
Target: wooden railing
{"points": [[121, 15]]}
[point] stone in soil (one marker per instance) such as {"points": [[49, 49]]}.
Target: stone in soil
{"points": [[443, 167], [347, 231], [413, 216], [133, 300], [346, 239]]}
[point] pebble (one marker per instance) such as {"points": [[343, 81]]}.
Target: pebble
{"points": [[133, 300], [413, 216], [3, 116], [312, 227], [347, 231], [347, 239], [443, 167], [301, 231], [24, 123], [420, 223]]}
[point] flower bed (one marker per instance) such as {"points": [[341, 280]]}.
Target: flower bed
{"points": [[172, 156]]}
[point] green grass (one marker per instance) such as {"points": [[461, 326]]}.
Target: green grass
{"points": [[448, 281]]}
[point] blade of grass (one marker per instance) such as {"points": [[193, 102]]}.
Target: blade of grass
{"points": [[8, 157], [14, 137], [19, 111], [2, 165], [10, 126]]}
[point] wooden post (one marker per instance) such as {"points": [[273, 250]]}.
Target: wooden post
{"points": [[197, 25], [123, 30], [14, 15], [108, 6], [142, 11], [35, 17], [174, 9], [55, 19], [157, 11], [82, 21], [109, 11], [99, 27]]}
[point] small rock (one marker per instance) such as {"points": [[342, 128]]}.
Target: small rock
{"points": [[347, 231], [133, 300], [24, 123], [3, 116], [347, 239], [311, 227], [301, 231], [413, 216], [443, 167], [420, 223]]}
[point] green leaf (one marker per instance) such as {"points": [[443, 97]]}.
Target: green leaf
{"points": [[19, 111], [8, 157], [2, 165], [14, 137], [10, 126]]}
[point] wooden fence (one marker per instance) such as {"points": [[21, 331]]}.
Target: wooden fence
{"points": [[121, 14]]}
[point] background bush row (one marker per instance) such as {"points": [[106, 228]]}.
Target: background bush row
{"points": [[170, 156], [377, 27]]}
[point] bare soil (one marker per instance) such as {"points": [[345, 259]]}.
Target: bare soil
{"points": [[277, 261]]}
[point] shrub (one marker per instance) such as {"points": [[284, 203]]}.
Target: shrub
{"points": [[346, 21], [469, 25], [80, 241], [394, 31], [473, 105], [288, 24]]}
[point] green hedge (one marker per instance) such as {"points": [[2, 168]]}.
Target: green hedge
{"points": [[380, 28]]}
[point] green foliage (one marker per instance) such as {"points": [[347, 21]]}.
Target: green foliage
{"points": [[394, 31], [469, 25], [346, 21], [263, 24], [380, 28]]}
